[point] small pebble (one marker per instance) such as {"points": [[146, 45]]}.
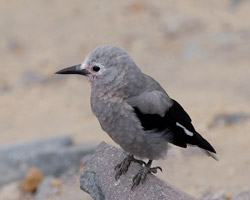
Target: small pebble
{"points": [[32, 180]]}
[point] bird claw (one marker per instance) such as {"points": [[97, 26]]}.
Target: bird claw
{"points": [[140, 177], [154, 169], [122, 167]]}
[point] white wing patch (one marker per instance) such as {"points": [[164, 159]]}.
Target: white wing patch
{"points": [[189, 133]]}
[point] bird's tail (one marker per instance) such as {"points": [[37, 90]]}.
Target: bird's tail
{"points": [[211, 154]]}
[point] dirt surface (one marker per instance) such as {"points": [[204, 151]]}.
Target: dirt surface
{"points": [[198, 50]]}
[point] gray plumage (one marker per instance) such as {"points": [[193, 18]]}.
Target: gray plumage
{"points": [[112, 102], [134, 109]]}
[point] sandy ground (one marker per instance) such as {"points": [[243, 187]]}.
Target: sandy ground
{"points": [[198, 50]]}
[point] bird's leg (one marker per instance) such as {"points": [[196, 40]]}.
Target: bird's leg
{"points": [[142, 174], [122, 168]]}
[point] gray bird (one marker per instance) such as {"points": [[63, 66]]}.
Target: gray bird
{"points": [[135, 110]]}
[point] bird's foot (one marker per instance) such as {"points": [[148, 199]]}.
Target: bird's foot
{"points": [[122, 168], [140, 177]]}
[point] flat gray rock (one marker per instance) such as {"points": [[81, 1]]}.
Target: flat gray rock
{"points": [[52, 156], [98, 179]]}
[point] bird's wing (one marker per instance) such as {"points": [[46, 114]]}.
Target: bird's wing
{"points": [[172, 120], [153, 102]]}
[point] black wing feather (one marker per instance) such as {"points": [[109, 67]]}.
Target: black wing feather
{"points": [[168, 124]]}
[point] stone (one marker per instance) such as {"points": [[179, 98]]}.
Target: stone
{"points": [[67, 190], [229, 119], [11, 191], [98, 179], [30, 147], [220, 195], [30, 77], [243, 196], [32, 179], [44, 188], [52, 156]]}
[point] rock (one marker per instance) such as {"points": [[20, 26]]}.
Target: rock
{"points": [[15, 46], [11, 191], [29, 77], [44, 188], [217, 196], [32, 179], [67, 189], [30, 147], [229, 119], [235, 3], [4, 88], [52, 156], [98, 179], [242, 196]]}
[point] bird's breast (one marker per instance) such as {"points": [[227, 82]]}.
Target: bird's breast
{"points": [[116, 117], [119, 121]]}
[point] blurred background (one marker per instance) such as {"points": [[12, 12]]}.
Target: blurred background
{"points": [[198, 50]]}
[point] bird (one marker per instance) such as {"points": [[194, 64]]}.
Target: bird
{"points": [[135, 111]]}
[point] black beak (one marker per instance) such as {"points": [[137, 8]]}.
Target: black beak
{"points": [[73, 70]]}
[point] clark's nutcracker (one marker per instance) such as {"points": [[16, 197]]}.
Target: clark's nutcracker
{"points": [[135, 110]]}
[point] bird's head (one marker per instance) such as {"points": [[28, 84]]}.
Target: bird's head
{"points": [[103, 65]]}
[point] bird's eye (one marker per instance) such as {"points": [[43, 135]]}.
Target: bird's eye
{"points": [[96, 68]]}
